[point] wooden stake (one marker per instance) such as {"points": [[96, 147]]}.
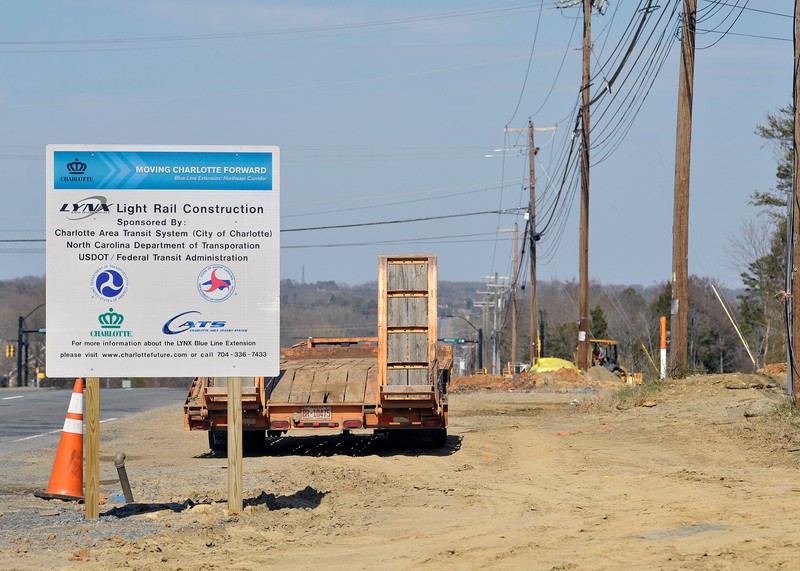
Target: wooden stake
{"points": [[234, 445], [92, 448]]}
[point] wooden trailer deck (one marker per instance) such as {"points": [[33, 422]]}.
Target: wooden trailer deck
{"points": [[324, 381]]}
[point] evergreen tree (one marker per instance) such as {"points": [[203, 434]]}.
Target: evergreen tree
{"points": [[562, 340], [598, 324], [762, 306]]}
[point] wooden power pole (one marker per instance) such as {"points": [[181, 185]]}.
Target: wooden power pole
{"points": [[583, 319], [533, 238], [680, 225], [514, 279], [794, 353]]}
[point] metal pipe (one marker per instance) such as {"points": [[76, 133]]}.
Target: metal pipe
{"points": [[119, 462]]}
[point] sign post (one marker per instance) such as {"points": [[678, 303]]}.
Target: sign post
{"points": [[234, 445], [92, 448], [163, 261]]}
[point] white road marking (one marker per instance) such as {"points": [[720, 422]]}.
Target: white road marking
{"points": [[11, 398], [52, 432], [36, 436]]}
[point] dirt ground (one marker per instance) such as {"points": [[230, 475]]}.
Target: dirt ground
{"points": [[698, 474]]}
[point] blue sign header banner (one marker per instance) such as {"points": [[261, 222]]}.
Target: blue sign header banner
{"points": [[156, 170]]}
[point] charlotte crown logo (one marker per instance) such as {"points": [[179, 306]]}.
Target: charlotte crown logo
{"points": [[76, 167], [110, 325], [76, 172], [110, 320], [216, 283]]}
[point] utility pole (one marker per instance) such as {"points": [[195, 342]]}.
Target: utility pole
{"points": [[583, 302], [679, 311], [794, 342], [484, 305], [514, 302], [513, 286], [533, 236], [495, 333], [21, 382], [497, 291], [515, 275]]}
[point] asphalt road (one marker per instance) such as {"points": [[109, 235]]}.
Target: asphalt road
{"points": [[31, 418]]}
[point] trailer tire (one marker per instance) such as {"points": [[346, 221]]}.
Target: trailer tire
{"points": [[397, 437], [439, 437], [218, 440], [253, 440]]}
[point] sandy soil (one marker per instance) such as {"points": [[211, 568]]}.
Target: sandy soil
{"points": [[701, 474]]}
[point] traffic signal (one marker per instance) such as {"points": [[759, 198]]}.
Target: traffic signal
{"points": [[10, 348]]}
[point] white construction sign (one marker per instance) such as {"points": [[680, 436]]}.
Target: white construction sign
{"points": [[163, 261]]}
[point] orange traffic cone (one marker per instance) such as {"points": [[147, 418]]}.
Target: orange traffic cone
{"points": [[66, 479]]}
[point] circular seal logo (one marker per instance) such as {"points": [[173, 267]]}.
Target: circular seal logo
{"points": [[109, 283], [216, 283]]}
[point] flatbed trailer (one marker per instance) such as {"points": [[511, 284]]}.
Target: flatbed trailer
{"points": [[394, 383]]}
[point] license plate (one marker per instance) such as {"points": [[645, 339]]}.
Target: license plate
{"points": [[316, 413]]}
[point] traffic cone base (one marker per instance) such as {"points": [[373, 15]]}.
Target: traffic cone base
{"points": [[66, 479], [47, 496]]}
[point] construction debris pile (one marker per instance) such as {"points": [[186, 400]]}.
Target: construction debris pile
{"points": [[562, 379]]}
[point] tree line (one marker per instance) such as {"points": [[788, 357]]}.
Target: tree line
{"points": [[628, 314]]}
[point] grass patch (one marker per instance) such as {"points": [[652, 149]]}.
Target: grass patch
{"points": [[625, 397], [785, 420], [632, 396]]}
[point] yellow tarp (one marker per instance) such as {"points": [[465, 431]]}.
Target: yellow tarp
{"points": [[547, 364]]}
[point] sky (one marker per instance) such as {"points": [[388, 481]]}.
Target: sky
{"points": [[387, 112]]}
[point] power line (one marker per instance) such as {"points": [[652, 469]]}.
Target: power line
{"points": [[757, 36], [733, 23], [404, 221], [354, 225], [528, 69], [406, 241], [387, 204], [753, 9], [560, 68], [376, 24]]}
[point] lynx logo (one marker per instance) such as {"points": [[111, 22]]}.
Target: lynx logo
{"points": [[175, 325], [85, 208]]}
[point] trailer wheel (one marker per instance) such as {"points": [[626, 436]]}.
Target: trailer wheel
{"points": [[439, 437], [218, 440], [253, 440], [396, 437]]}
